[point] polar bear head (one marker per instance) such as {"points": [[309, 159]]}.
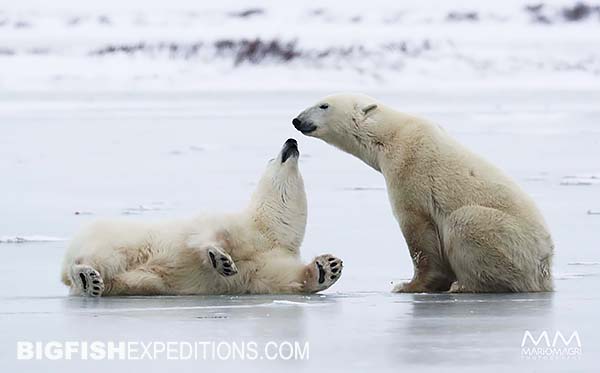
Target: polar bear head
{"points": [[278, 205], [347, 121]]}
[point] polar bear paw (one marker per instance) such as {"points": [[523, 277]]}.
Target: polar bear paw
{"points": [[221, 262], [457, 288], [323, 272], [87, 280]]}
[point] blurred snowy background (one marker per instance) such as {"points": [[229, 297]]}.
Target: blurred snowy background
{"points": [[298, 45]]}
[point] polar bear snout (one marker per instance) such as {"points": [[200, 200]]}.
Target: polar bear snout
{"points": [[303, 126], [290, 150]]}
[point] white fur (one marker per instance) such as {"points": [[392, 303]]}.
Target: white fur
{"points": [[262, 241], [464, 220]]}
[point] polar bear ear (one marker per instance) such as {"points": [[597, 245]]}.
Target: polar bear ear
{"points": [[369, 108]]}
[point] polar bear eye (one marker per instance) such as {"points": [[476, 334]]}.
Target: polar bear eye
{"points": [[324, 106]]}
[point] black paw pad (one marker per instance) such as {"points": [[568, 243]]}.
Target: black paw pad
{"points": [[213, 260], [321, 273], [83, 281]]}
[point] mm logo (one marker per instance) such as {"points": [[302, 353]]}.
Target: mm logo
{"points": [[548, 346]]}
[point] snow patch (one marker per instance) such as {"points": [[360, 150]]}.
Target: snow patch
{"points": [[581, 180], [573, 276], [140, 209], [33, 238]]}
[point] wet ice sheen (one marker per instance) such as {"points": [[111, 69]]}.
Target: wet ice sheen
{"points": [[80, 159]]}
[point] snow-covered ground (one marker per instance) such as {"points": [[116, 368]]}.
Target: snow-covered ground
{"points": [[154, 109], [260, 44]]}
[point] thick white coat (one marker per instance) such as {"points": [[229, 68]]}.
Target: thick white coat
{"points": [[468, 226], [262, 242]]}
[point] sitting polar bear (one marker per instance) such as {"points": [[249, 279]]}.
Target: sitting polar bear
{"points": [[468, 227], [255, 251]]}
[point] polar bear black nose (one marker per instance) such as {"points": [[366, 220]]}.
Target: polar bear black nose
{"points": [[290, 149], [304, 127]]}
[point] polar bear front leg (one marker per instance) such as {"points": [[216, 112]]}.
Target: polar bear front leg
{"points": [[432, 273], [322, 273], [219, 260]]}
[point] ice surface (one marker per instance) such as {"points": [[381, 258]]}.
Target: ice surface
{"points": [[23, 239], [69, 158]]}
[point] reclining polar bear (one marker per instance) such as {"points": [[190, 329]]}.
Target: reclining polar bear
{"points": [[468, 226], [255, 251]]}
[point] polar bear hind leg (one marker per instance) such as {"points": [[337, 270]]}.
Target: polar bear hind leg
{"points": [[141, 281], [86, 280], [99, 273], [91, 272], [491, 251]]}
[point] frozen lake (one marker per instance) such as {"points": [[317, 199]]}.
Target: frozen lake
{"points": [[69, 158]]}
